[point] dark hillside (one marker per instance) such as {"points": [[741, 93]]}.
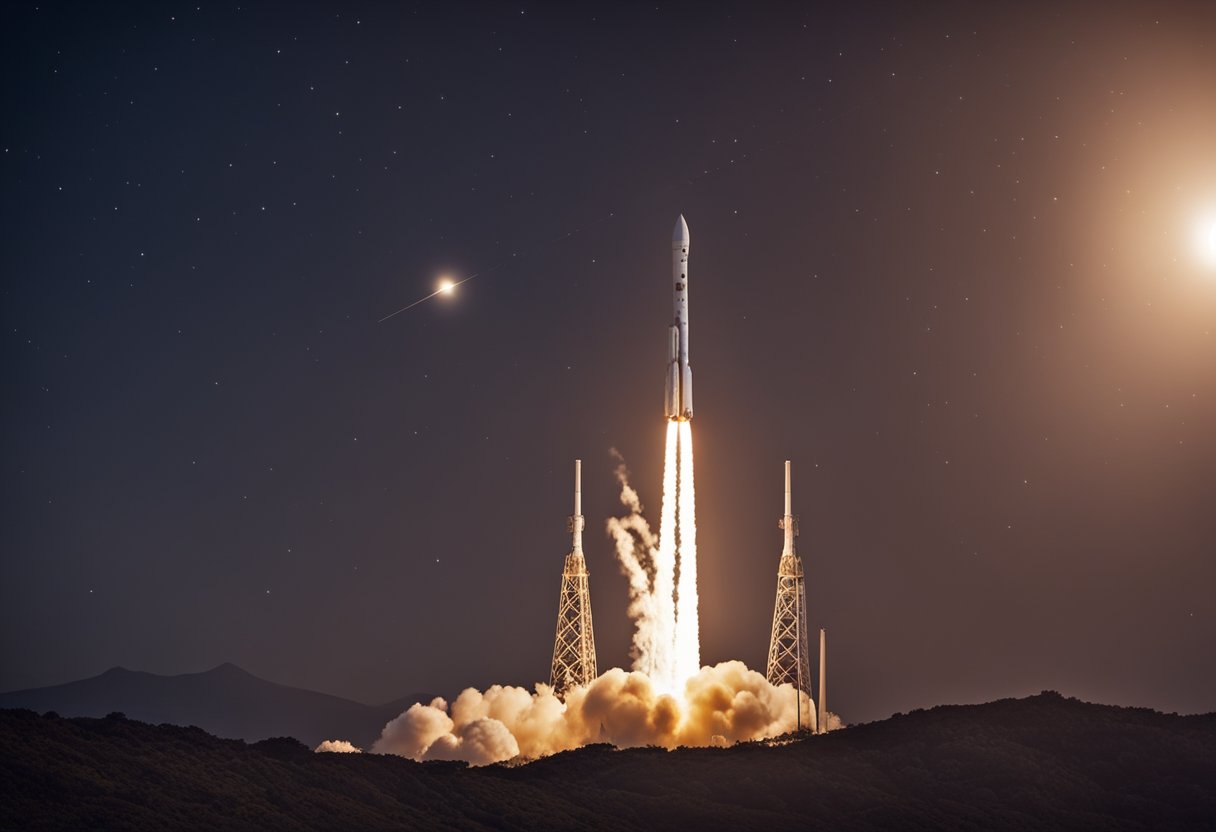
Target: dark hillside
{"points": [[226, 701], [1039, 763]]}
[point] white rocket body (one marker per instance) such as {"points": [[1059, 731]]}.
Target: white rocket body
{"points": [[677, 394]]}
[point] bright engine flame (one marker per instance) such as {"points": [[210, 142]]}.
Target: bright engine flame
{"points": [[661, 666], [667, 641], [676, 653], [688, 627]]}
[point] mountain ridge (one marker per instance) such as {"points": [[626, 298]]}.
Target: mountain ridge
{"points": [[225, 700]]}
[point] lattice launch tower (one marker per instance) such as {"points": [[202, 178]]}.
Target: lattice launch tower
{"points": [[788, 657], [574, 646]]}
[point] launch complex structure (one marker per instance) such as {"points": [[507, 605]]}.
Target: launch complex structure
{"points": [[574, 645], [574, 661], [788, 656]]}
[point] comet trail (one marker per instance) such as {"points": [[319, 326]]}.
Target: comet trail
{"points": [[515, 255], [448, 287]]}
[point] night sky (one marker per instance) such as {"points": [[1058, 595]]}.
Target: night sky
{"points": [[943, 259]]}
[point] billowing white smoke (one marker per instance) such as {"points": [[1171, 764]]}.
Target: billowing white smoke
{"points": [[725, 703], [636, 551], [337, 747]]}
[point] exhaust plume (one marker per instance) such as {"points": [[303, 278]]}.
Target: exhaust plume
{"points": [[636, 551], [337, 747], [720, 705], [664, 674], [666, 640], [832, 722], [687, 625]]}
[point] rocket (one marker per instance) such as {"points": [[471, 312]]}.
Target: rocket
{"points": [[677, 393]]}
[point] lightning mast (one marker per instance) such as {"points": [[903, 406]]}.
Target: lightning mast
{"points": [[574, 645], [823, 681], [788, 656]]}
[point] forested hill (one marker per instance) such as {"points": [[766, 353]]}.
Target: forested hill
{"points": [[1044, 762]]}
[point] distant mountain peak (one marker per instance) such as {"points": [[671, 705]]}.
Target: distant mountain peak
{"points": [[227, 669], [117, 670]]}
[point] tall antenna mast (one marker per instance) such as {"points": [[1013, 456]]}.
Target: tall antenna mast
{"points": [[789, 523], [823, 681]]}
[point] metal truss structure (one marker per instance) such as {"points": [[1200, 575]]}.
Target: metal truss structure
{"points": [[574, 645], [788, 656]]}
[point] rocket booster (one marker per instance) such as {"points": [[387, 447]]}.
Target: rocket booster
{"points": [[677, 394]]}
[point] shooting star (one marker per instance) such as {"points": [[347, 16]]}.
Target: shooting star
{"points": [[446, 287]]}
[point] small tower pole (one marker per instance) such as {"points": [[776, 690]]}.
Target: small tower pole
{"points": [[823, 681]]}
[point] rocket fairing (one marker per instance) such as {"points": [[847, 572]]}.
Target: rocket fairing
{"points": [[677, 394]]}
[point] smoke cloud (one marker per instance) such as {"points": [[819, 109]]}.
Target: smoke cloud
{"points": [[636, 549], [832, 722], [337, 747], [720, 705]]}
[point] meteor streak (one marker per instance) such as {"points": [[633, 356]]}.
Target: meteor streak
{"points": [[446, 287]]}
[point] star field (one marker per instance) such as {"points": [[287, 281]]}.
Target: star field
{"points": [[942, 257]]}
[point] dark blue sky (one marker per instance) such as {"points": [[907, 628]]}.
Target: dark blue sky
{"points": [[942, 260]]}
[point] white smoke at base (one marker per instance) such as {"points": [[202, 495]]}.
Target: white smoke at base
{"points": [[831, 722], [723, 704], [337, 747]]}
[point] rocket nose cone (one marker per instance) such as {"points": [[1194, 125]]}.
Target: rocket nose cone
{"points": [[680, 234]]}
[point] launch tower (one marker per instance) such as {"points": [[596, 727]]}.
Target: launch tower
{"points": [[788, 657], [574, 646]]}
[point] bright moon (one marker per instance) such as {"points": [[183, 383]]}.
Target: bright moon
{"points": [[1205, 238]]}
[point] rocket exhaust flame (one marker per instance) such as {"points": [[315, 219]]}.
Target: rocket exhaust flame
{"points": [[663, 661], [666, 639], [688, 629]]}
